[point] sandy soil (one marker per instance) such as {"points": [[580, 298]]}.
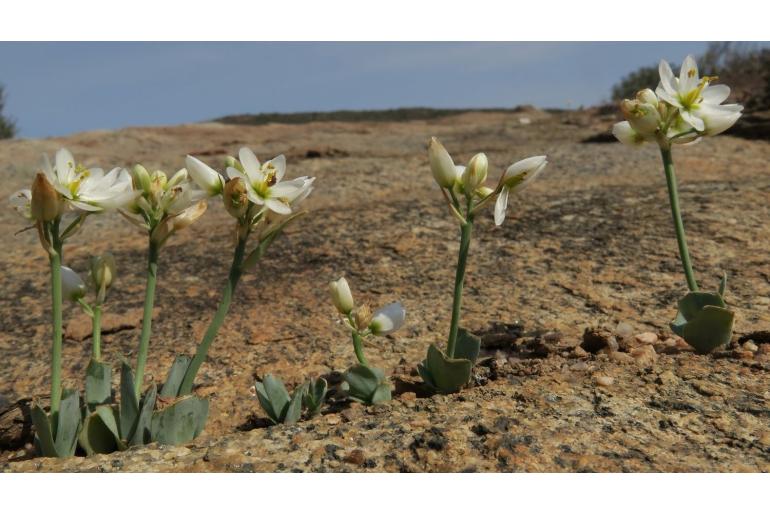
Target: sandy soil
{"points": [[590, 244]]}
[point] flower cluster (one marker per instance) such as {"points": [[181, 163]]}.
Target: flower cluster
{"points": [[680, 110]]}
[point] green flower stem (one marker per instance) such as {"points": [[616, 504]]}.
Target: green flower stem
{"points": [[673, 196], [465, 244], [358, 347], [149, 301], [219, 317], [55, 259], [96, 339]]}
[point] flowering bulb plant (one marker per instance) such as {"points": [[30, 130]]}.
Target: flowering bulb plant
{"points": [[682, 110], [262, 205], [365, 383], [466, 194], [62, 196]]}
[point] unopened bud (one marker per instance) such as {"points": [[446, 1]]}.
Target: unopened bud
{"points": [[102, 271], [140, 178], [232, 162], [235, 198], [476, 172], [45, 203], [441, 164], [342, 298], [72, 286], [643, 118], [647, 96], [484, 191]]}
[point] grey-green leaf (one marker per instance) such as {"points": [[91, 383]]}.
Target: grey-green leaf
{"points": [[98, 384], [175, 376], [467, 346], [129, 407], [142, 434], [43, 434], [448, 374], [180, 422], [68, 425]]}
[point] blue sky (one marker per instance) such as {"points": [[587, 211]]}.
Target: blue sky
{"points": [[58, 88]]}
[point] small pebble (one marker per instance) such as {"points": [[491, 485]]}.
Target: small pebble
{"points": [[645, 356], [624, 329], [647, 338], [750, 346], [604, 380], [580, 366]]}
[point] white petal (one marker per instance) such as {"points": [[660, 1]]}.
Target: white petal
{"points": [[525, 165], [715, 94], [667, 79], [388, 319], [666, 97], [693, 120], [248, 160], [279, 163], [501, 204], [65, 166], [718, 118], [234, 173], [204, 176], [277, 206], [688, 75], [627, 135]]}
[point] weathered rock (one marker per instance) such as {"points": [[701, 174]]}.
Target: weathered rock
{"points": [[597, 339]]}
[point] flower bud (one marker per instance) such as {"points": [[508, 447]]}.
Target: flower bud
{"points": [[341, 296], [643, 118], [647, 96], [158, 181], [176, 179], [73, 287], [484, 191], [362, 317], [235, 198], [204, 176], [140, 178], [388, 319], [231, 162], [45, 204], [441, 164], [102, 271], [475, 173]]}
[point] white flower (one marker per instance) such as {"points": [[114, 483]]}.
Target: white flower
{"points": [[444, 170], [21, 203], [387, 319], [73, 287], [204, 176], [88, 189], [516, 178], [263, 182], [699, 102], [341, 295]]}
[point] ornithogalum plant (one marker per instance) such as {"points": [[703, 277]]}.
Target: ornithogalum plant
{"points": [[365, 383], [61, 197], [262, 204], [466, 195], [683, 110], [162, 207]]}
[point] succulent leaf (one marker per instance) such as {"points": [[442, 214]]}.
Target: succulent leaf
{"points": [[43, 435], [448, 375], [68, 424], [180, 422], [98, 384], [142, 433], [467, 346], [175, 376], [129, 407]]}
